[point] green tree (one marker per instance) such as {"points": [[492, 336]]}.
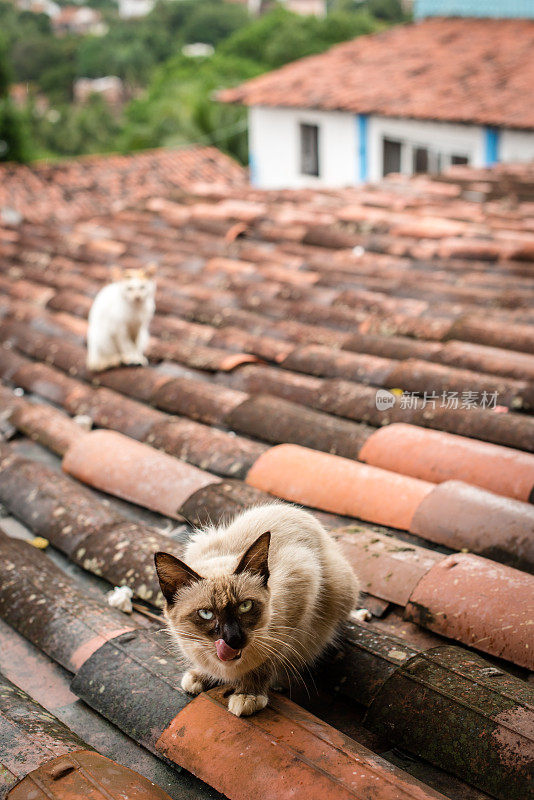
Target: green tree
{"points": [[280, 36], [16, 24], [180, 107], [389, 11], [120, 53], [13, 131], [212, 22], [75, 130]]}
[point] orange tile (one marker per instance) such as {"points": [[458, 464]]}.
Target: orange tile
{"points": [[332, 483], [281, 753], [436, 456], [48, 426], [118, 465]]}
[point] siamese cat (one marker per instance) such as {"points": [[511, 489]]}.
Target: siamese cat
{"points": [[119, 320], [256, 601]]}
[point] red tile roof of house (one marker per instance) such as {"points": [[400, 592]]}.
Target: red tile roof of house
{"points": [[75, 188], [457, 70], [281, 317]]}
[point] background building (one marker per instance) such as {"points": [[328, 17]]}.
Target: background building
{"points": [[415, 98]]}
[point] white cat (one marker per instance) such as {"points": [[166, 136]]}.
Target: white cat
{"points": [[119, 320]]}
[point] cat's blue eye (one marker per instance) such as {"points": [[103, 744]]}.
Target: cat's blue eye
{"points": [[245, 606], [205, 613]]}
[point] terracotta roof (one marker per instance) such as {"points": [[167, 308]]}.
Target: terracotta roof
{"points": [[457, 70], [81, 187], [283, 321]]}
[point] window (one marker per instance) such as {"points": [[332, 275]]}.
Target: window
{"points": [[309, 149], [420, 160], [419, 157], [391, 156]]}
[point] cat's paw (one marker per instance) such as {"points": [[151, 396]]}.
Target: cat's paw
{"points": [[135, 361], [243, 705], [360, 615], [100, 364], [192, 682]]}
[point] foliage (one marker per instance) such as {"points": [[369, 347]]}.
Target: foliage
{"points": [[280, 36], [47, 62], [389, 11], [70, 130], [132, 48], [14, 145], [35, 54], [6, 72], [17, 24], [174, 95], [179, 107], [119, 53], [212, 22]]}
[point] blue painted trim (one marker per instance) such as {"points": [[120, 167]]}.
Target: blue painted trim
{"points": [[474, 8], [491, 148], [362, 129]]}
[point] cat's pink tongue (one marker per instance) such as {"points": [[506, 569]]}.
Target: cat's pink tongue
{"points": [[224, 651]]}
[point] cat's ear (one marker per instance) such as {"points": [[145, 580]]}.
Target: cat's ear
{"points": [[116, 274], [256, 558], [150, 269], [173, 575]]}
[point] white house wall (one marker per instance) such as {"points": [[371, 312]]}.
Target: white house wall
{"points": [[516, 146], [274, 144]]}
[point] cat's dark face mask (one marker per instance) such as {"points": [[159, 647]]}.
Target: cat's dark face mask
{"points": [[217, 615]]}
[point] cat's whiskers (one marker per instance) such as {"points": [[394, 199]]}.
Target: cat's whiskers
{"points": [[268, 654], [283, 640], [284, 661], [284, 643], [300, 656]]}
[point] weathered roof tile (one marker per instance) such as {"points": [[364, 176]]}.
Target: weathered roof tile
{"points": [[388, 568], [46, 425], [462, 597], [278, 421], [307, 759], [118, 465], [197, 399], [418, 71], [40, 752], [460, 516], [70, 625], [406, 313], [86, 186]]}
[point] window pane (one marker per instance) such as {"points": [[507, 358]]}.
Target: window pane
{"points": [[392, 156], [420, 160], [309, 149], [459, 160]]}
